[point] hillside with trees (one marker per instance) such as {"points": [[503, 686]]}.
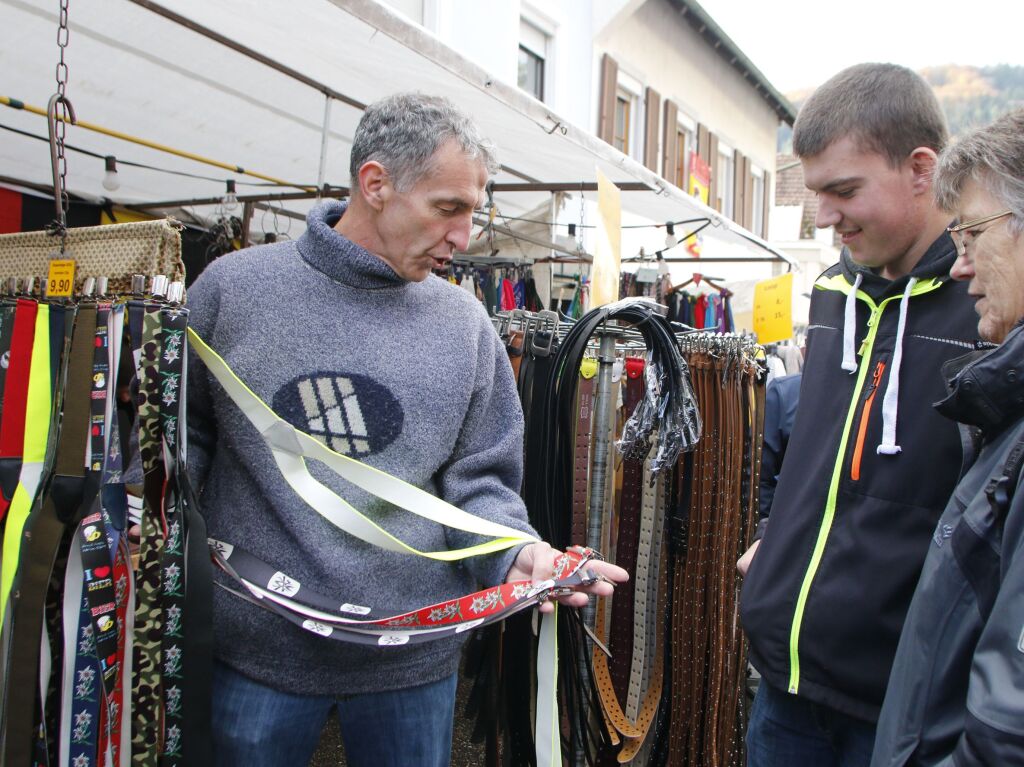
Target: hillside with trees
{"points": [[970, 96]]}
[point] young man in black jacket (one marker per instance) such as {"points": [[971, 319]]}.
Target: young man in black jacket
{"points": [[869, 465]]}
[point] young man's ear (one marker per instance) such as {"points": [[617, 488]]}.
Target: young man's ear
{"points": [[922, 166], [374, 184]]}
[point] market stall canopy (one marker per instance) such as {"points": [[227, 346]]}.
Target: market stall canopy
{"points": [[182, 74]]}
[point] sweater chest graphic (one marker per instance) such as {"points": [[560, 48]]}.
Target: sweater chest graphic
{"points": [[351, 413]]}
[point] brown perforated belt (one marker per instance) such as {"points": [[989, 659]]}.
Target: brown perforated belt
{"points": [[581, 448], [627, 542]]}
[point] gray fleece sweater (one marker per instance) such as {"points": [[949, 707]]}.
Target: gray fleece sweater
{"points": [[408, 377]]}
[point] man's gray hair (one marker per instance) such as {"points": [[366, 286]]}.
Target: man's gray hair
{"points": [[885, 108], [992, 157], [402, 132]]}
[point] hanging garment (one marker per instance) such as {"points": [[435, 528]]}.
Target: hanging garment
{"points": [[711, 312], [700, 312]]}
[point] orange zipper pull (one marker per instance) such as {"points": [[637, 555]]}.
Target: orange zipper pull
{"points": [[865, 414]]}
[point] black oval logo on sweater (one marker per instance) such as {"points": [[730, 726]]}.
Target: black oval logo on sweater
{"points": [[350, 413]]}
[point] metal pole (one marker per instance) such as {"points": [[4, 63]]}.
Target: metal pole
{"points": [[321, 176], [604, 410]]}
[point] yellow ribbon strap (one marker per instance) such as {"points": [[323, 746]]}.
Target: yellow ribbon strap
{"points": [[37, 429], [290, 448]]}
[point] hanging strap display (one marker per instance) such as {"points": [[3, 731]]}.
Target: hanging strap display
{"points": [[41, 532]]}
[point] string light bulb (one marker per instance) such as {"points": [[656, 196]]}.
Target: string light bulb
{"points": [[110, 180], [230, 199], [670, 235]]}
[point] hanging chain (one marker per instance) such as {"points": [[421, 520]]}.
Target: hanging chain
{"points": [[61, 126]]}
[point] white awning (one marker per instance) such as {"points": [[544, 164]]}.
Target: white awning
{"points": [[138, 72]]}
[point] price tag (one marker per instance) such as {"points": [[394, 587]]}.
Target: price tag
{"points": [[61, 280], [773, 309]]}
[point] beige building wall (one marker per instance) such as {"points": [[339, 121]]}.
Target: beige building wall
{"points": [[658, 47]]}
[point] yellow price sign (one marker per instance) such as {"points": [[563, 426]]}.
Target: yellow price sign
{"points": [[61, 280], [773, 309]]}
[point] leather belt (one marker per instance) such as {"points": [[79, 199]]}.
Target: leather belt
{"points": [[514, 347], [627, 541], [581, 449], [707, 653]]}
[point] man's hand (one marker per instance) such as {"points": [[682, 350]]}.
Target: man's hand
{"points": [[748, 556], [536, 562]]}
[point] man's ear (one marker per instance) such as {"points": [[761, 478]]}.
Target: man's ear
{"points": [[375, 184], [922, 167]]}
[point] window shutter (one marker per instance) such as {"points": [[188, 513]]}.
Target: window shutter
{"points": [[670, 147], [703, 144], [652, 112], [767, 204], [748, 207], [609, 85]]}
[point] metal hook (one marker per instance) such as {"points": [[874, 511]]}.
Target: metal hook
{"points": [[51, 125]]}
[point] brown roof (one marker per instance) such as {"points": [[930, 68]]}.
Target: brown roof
{"points": [[790, 190]]}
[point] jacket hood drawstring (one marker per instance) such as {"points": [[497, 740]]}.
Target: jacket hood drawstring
{"points": [[890, 403], [850, 328]]}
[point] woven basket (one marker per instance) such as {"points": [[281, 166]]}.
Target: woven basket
{"points": [[115, 251]]}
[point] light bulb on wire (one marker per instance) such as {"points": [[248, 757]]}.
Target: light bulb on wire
{"points": [[230, 200], [110, 180], [670, 235]]}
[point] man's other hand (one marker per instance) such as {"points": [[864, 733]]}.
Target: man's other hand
{"points": [[748, 556], [536, 562]]}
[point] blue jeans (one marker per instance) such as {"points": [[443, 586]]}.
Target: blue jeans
{"points": [[789, 731], [256, 726]]}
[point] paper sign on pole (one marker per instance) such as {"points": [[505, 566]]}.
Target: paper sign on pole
{"points": [[773, 309], [604, 275]]}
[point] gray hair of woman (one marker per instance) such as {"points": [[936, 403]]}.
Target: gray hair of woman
{"points": [[402, 132], [993, 157]]}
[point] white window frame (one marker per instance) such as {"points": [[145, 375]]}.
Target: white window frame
{"points": [[546, 26], [757, 223], [633, 90], [688, 126], [726, 183]]}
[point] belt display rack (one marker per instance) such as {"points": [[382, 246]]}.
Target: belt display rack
{"points": [[105, 650], [654, 462]]}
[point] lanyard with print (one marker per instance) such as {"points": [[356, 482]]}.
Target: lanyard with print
{"points": [[146, 649], [171, 359], [319, 614]]}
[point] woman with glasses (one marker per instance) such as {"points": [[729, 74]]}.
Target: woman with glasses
{"points": [[956, 693]]}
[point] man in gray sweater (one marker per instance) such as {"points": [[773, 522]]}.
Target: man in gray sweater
{"points": [[350, 338]]}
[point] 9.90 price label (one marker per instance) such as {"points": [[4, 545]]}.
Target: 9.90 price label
{"points": [[60, 281]]}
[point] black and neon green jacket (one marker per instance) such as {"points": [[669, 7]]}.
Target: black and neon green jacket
{"points": [[869, 468]]}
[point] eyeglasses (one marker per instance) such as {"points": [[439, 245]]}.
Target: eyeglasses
{"points": [[957, 232]]}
